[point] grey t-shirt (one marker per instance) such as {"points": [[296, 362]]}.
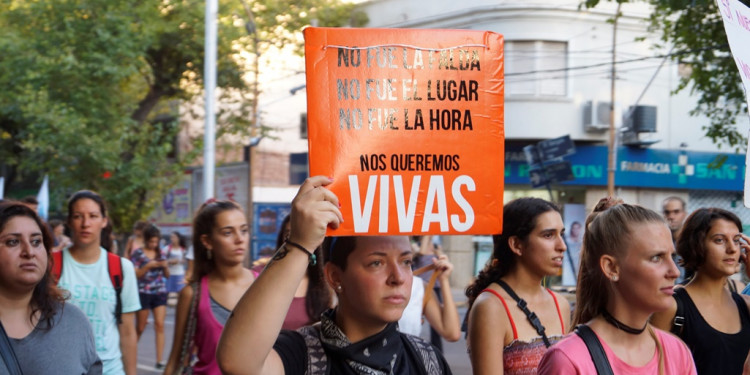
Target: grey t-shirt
{"points": [[66, 348]]}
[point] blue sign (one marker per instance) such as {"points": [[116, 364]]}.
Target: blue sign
{"points": [[649, 168], [267, 218]]}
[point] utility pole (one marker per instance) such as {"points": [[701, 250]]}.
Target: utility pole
{"points": [[612, 146], [252, 30], [209, 79]]}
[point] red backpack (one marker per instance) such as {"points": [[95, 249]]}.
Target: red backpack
{"points": [[114, 266]]}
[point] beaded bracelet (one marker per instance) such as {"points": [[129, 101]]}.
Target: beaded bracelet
{"points": [[313, 259]]}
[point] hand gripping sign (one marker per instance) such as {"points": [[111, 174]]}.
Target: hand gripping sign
{"points": [[409, 123]]}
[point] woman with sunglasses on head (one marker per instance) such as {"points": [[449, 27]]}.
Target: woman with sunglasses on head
{"points": [[221, 240], [626, 275], [33, 310], [372, 279], [713, 321], [504, 338], [85, 273]]}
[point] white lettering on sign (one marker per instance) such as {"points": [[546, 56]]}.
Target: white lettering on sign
{"points": [[435, 210], [636, 166]]}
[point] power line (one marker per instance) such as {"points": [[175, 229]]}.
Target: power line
{"points": [[617, 62]]}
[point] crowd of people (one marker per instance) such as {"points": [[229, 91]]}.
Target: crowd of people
{"points": [[356, 305]]}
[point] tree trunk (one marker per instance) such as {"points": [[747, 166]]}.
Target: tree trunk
{"points": [[148, 103]]}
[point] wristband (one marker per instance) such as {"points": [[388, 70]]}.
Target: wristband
{"points": [[313, 259]]}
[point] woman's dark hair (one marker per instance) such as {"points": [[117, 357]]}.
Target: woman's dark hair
{"points": [[318, 295], [337, 249], [609, 233], [690, 240], [46, 296], [203, 224], [181, 240], [150, 232], [519, 220]]}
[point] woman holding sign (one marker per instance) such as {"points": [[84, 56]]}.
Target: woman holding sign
{"points": [[508, 307], [372, 279]]}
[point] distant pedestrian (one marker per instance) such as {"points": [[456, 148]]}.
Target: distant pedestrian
{"points": [[47, 335], [502, 331], [626, 274], [441, 314], [135, 241], [175, 252], [85, 273], [152, 271], [221, 241], [712, 320], [58, 231]]}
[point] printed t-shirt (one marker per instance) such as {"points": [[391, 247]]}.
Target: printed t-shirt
{"points": [[92, 291]]}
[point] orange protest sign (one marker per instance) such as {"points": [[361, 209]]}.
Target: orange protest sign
{"points": [[409, 123]]}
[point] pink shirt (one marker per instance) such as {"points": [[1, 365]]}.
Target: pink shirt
{"points": [[207, 333], [570, 356]]}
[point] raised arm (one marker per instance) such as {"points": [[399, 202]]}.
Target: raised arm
{"points": [[246, 343], [443, 318]]}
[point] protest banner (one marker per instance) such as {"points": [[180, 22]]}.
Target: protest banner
{"points": [[736, 17], [409, 123]]}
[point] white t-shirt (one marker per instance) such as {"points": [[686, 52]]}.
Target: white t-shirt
{"points": [[92, 291], [411, 319], [175, 253]]}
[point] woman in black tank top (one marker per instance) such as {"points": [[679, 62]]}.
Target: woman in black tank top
{"points": [[712, 320]]}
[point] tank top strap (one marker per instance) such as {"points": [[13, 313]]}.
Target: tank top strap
{"points": [[507, 311], [559, 313], [742, 307]]}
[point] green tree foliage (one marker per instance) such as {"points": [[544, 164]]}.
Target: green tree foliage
{"points": [[91, 88], [695, 29]]}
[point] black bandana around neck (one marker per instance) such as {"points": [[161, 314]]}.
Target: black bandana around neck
{"points": [[375, 355]]}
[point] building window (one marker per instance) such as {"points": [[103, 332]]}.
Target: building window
{"points": [[303, 125], [536, 68]]}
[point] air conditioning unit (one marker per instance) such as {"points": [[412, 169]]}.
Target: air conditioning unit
{"points": [[596, 116]]}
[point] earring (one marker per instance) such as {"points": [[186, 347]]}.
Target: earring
{"points": [[338, 289], [615, 278], [209, 255]]}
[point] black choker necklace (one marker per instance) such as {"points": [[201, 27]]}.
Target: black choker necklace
{"points": [[620, 325]]}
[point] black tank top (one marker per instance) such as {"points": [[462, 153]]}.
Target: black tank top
{"points": [[715, 352]]}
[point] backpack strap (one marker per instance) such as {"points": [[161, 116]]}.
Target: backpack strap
{"points": [[7, 354], [426, 353], [317, 360], [598, 356], [114, 266], [530, 315], [678, 324], [57, 261]]}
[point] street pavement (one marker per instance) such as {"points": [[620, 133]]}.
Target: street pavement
{"points": [[455, 352]]}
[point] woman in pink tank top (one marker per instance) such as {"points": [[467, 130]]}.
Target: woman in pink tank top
{"points": [[530, 248], [220, 242], [626, 275]]}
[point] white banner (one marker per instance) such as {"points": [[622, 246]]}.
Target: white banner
{"points": [[736, 18]]}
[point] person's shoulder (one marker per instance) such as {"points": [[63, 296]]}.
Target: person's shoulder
{"points": [[670, 341], [568, 356], [71, 313]]}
